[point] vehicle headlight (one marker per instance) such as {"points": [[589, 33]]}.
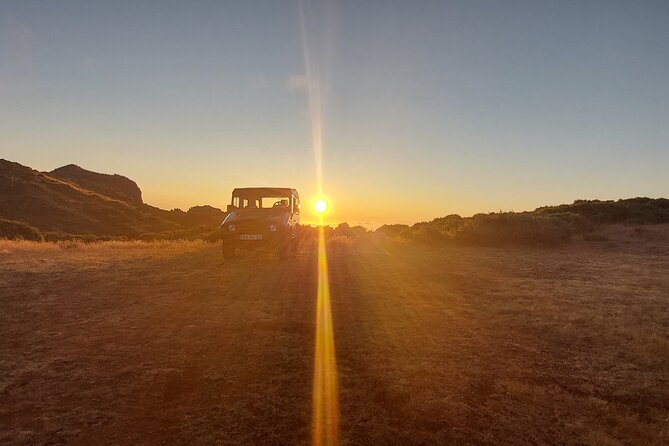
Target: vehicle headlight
{"points": [[231, 228], [272, 228]]}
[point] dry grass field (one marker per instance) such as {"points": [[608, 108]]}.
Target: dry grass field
{"points": [[167, 343]]}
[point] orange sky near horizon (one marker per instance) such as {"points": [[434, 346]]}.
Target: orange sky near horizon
{"points": [[410, 112]]}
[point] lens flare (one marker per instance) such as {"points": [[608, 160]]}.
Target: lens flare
{"points": [[325, 399], [320, 206]]}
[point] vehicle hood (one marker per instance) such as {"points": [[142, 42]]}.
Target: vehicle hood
{"points": [[279, 216]]}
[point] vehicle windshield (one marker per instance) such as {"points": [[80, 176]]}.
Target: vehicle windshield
{"points": [[261, 202]]}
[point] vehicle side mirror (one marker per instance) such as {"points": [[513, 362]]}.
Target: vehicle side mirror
{"points": [[231, 208]]}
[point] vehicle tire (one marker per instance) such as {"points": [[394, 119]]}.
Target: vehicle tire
{"points": [[229, 251]]}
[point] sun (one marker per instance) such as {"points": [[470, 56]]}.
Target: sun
{"points": [[320, 206]]}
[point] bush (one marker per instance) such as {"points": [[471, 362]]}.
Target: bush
{"points": [[449, 224], [203, 232], [151, 236], [83, 238], [57, 236], [308, 232], [391, 230], [521, 229], [344, 230], [499, 229], [424, 232], [11, 229], [638, 210]]}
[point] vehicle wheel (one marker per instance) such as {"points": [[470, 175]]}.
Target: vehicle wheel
{"points": [[229, 251]]}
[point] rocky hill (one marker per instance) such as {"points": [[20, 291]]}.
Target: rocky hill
{"points": [[113, 186], [74, 201]]}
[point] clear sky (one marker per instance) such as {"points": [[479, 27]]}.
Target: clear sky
{"points": [[428, 107]]}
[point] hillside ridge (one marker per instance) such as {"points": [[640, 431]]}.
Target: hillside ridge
{"points": [[112, 185], [74, 201]]}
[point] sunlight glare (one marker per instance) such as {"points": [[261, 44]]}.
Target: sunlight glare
{"points": [[320, 205], [325, 404], [325, 395]]}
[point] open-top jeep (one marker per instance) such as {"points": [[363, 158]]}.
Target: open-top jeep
{"points": [[261, 216]]}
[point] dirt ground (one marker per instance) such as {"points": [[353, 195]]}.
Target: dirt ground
{"points": [[167, 343]]}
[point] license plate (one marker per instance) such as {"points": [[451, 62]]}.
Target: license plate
{"points": [[250, 237]]}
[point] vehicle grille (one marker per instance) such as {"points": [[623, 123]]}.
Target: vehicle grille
{"points": [[251, 226]]}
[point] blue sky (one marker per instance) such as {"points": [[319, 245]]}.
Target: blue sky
{"points": [[429, 108]]}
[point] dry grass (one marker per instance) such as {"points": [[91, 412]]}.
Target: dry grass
{"points": [[165, 343], [131, 248]]}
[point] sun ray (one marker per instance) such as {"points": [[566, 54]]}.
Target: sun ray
{"points": [[313, 89], [325, 397]]}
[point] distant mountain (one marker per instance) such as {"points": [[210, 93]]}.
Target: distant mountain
{"points": [[113, 186], [72, 200]]}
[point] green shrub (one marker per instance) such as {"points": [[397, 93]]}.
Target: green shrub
{"points": [[11, 229], [448, 224], [638, 210], [85, 238], [57, 236], [344, 230], [391, 230], [520, 229], [424, 232]]}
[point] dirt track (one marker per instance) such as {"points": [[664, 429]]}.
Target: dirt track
{"points": [[169, 344]]}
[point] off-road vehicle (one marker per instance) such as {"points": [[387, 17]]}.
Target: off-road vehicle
{"points": [[261, 216]]}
